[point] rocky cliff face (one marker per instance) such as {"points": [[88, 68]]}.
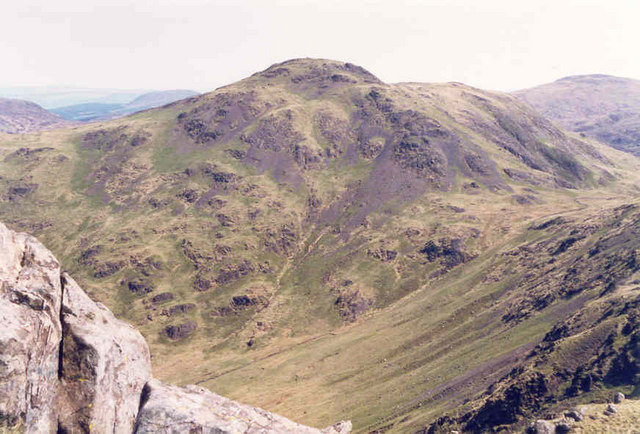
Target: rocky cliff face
{"points": [[68, 365], [31, 299]]}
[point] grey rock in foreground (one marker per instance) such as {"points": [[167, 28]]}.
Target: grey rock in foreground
{"points": [[104, 364], [171, 409], [68, 365], [30, 332]]}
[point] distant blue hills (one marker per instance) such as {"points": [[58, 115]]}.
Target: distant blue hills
{"points": [[101, 111], [78, 104]]}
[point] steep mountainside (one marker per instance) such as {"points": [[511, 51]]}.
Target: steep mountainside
{"points": [[17, 116], [599, 106], [100, 111], [327, 246]]}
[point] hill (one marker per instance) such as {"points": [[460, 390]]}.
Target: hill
{"points": [[17, 116], [158, 99], [51, 97], [100, 111], [87, 111], [327, 246], [599, 106]]}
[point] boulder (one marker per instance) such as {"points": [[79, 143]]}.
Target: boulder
{"points": [[575, 415], [173, 410], [104, 365], [610, 410], [563, 427], [30, 299], [543, 427], [618, 398]]}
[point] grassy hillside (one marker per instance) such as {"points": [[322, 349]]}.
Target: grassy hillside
{"points": [[327, 246]]}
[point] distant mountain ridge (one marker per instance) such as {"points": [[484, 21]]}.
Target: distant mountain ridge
{"points": [[87, 111], [50, 97], [603, 107], [17, 116], [101, 111], [159, 98]]}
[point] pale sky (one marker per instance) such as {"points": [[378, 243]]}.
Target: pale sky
{"points": [[204, 44]]}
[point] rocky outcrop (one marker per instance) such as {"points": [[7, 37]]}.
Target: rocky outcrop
{"points": [[104, 364], [67, 365], [30, 301], [543, 427], [171, 409]]}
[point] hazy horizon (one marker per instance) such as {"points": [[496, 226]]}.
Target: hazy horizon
{"points": [[202, 45]]}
